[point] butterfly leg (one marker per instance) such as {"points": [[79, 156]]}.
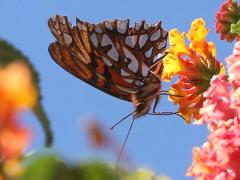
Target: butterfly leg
{"points": [[165, 92], [156, 103], [162, 92], [167, 114]]}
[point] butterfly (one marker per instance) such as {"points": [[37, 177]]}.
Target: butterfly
{"points": [[114, 57]]}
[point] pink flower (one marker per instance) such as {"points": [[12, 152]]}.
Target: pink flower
{"points": [[219, 157], [227, 15], [234, 65], [235, 102], [217, 104]]}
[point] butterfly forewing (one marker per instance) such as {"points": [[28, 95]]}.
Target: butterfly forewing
{"points": [[110, 56]]}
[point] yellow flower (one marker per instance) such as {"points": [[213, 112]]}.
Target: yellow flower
{"points": [[194, 65]]}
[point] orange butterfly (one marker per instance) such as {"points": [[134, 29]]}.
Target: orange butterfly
{"points": [[113, 57]]}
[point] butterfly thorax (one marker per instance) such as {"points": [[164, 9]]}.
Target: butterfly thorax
{"points": [[144, 98]]}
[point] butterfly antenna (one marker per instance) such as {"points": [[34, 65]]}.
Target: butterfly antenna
{"points": [[125, 141], [121, 120]]}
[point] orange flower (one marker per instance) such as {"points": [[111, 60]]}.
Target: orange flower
{"points": [[16, 85], [194, 64], [17, 93]]}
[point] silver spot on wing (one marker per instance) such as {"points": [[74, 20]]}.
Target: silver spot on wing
{"points": [[106, 40], [162, 44], [94, 39], [124, 73], [146, 26], [155, 36], [67, 39], [158, 56], [145, 70], [122, 26], [98, 28], [112, 53], [133, 65], [142, 40], [108, 25], [148, 53], [131, 40]]}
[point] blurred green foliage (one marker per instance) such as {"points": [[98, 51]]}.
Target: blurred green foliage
{"points": [[51, 167]]}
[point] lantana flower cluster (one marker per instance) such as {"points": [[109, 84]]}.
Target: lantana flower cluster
{"points": [[219, 157], [194, 65], [227, 21], [16, 95]]}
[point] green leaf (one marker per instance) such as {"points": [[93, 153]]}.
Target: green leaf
{"points": [[8, 54], [44, 168], [52, 168], [97, 171], [43, 119]]}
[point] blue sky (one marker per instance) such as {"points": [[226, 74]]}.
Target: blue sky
{"points": [[161, 143]]}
